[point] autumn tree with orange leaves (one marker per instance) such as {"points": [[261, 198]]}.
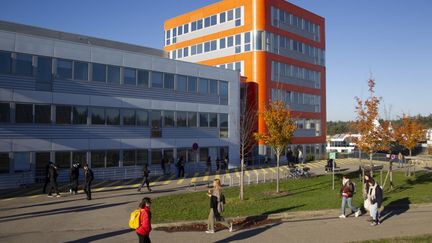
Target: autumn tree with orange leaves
{"points": [[374, 135], [280, 128], [409, 133]]}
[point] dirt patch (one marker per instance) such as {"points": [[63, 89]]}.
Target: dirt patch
{"points": [[240, 224]]}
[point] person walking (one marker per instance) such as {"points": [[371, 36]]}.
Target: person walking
{"points": [[375, 197], [218, 162], [47, 180], [400, 160], [217, 201], [180, 166], [143, 231], [89, 177], [209, 164], [365, 206], [300, 157], [74, 178], [145, 179], [347, 192], [163, 163], [52, 175]]}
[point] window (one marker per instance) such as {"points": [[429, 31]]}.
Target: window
{"points": [[213, 45], [142, 157], [4, 163], [168, 34], [203, 154], [180, 53], [213, 120], [24, 113], [98, 159], [97, 116], [63, 114], [113, 75], [142, 118], [238, 13], [143, 78], [112, 158], [79, 115], [156, 156], [64, 69], [129, 76], [223, 89], [79, 157], [213, 20], [44, 69], [41, 159], [223, 120], [99, 72], [237, 66], [181, 118], [222, 17], [194, 26], [156, 119], [112, 116], [80, 70], [238, 22], [185, 52], [230, 15], [247, 41], [24, 65], [128, 116], [192, 84], [129, 157], [174, 54], [42, 113], [203, 86], [5, 62], [21, 161], [180, 30], [157, 79], [182, 83], [168, 81], [192, 119], [193, 50], [63, 160], [222, 43], [199, 48], [174, 31], [186, 28], [199, 24], [238, 40], [4, 112], [207, 47], [206, 22], [204, 122], [213, 87], [169, 118], [230, 41]]}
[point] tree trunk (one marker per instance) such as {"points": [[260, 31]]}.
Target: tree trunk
{"points": [[371, 164], [410, 152], [242, 179], [277, 172]]}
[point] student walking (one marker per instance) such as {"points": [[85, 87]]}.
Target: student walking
{"points": [[365, 206], [347, 192], [74, 178], [145, 178], [47, 180], [209, 164], [52, 175], [400, 160], [217, 201], [163, 163], [143, 231], [375, 197], [89, 177], [180, 166]]}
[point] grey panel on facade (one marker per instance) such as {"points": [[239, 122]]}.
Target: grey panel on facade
{"points": [[305, 133], [296, 55], [295, 30], [297, 81]]}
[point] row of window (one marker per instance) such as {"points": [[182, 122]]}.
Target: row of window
{"points": [[280, 71], [83, 115], [230, 15], [104, 158], [309, 124], [297, 98], [237, 66], [279, 16], [23, 64], [222, 43]]}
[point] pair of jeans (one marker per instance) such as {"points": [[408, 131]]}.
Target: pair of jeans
{"points": [[346, 200], [374, 212]]}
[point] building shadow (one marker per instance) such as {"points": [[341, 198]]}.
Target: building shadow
{"points": [[246, 234], [101, 236], [395, 208]]}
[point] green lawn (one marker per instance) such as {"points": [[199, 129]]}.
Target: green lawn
{"points": [[298, 195], [407, 239]]}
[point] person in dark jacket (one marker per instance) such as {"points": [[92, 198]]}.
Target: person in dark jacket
{"points": [[163, 163], [47, 180], [180, 166], [209, 164], [74, 178], [88, 178], [347, 193], [53, 174], [145, 178], [217, 201], [375, 197], [144, 229]]}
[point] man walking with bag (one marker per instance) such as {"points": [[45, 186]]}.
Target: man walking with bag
{"points": [[88, 176]]}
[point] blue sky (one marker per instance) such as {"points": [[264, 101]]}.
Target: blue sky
{"points": [[392, 39]]}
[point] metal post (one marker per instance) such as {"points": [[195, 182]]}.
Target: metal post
{"points": [[333, 165]]}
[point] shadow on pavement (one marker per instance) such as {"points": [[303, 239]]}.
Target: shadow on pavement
{"points": [[281, 210], [394, 208], [75, 209], [101, 236], [41, 204], [244, 235]]}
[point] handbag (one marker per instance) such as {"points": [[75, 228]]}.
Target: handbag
{"points": [[367, 204]]}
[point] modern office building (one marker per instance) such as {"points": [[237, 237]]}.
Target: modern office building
{"points": [[66, 97], [275, 45]]}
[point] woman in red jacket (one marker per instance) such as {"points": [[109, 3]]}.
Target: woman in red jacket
{"points": [[143, 231]]}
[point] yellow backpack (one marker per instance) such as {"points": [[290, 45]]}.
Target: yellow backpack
{"points": [[134, 220]]}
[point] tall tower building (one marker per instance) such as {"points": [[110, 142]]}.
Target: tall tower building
{"points": [[275, 45]]}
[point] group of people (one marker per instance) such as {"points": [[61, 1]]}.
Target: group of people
{"points": [[51, 174], [293, 159], [372, 195]]}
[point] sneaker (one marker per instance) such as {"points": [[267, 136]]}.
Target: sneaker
{"points": [[230, 229], [210, 231], [374, 223], [342, 216], [357, 213]]}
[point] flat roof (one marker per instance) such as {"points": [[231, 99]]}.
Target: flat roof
{"points": [[38, 31]]}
